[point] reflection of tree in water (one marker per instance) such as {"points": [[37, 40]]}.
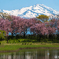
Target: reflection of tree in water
{"points": [[47, 54], [41, 54]]}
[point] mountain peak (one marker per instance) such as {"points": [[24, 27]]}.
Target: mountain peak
{"points": [[32, 11]]}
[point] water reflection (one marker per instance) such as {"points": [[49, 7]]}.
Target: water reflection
{"points": [[36, 54]]}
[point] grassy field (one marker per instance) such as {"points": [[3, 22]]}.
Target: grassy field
{"points": [[15, 46]]}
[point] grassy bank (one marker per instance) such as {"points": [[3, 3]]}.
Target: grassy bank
{"points": [[13, 46], [27, 45]]}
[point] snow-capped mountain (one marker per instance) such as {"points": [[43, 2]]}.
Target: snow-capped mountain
{"points": [[32, 11]]}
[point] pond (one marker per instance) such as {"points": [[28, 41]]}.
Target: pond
{"points": [[31, 54]]}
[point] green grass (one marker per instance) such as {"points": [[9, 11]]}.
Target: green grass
{"points": [[4, 46], [15, 47]]}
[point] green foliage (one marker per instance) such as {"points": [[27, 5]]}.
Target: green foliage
{"points": [[2, 34], [5, 15], [33, 39], [3, 42], [43, 17], [21, 40]]}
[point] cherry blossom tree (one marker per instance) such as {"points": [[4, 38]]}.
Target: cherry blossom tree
{"points": [[5, 25], [17, 25]]}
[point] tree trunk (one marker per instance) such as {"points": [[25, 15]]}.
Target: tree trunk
{"points": [[24, 35], [7, 39], [48, 36], [12, 34]]}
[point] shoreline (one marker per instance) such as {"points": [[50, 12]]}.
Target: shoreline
{"points": [[5, 48], [7, 51]]}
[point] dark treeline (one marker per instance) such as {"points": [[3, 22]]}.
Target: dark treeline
{"points": [[40, 31]]}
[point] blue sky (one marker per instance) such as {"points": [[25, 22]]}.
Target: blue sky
{"points": [[18, 4]]}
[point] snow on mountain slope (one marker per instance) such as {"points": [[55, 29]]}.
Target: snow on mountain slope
{"points": [[32, 11]]}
